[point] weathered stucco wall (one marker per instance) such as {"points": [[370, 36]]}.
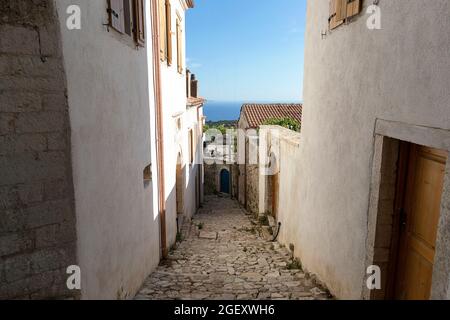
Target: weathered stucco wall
{"points": [[37, 217], [352, 77], [109, 103]]}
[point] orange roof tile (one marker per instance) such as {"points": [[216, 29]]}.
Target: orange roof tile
{"points": [[257, 114]]}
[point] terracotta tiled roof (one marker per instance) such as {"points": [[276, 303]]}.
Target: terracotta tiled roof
{"points": [[191, 101], [257, 114]]}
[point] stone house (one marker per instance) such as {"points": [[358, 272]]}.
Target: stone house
{"points": [[82, 179], [250, 182], [373, 179]]}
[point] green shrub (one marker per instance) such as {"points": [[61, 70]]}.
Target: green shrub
{"points": [[287, 122]]}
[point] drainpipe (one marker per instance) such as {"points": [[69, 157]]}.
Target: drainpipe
{"points": [[159, 126]]}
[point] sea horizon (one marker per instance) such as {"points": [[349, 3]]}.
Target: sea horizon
{"points": [[223, 110]]}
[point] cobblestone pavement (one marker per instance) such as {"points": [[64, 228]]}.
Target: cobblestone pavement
{"points": [[226, 258]]}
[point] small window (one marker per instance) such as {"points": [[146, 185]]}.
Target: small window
{"points": [[179, 46], [169, 32], [165, 31], [128, 18], [342, 10], [147, 174], [162, 30], [139, 14]]}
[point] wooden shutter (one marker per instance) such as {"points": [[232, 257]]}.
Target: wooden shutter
{"points": [[341, 10], [128, 16], [116, 15], [169, 31], [334, 20], [162, 30], [139, 22], [354, 7], [179, 47]]}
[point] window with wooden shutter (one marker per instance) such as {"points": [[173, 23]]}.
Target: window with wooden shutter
{"points": [[139, 22], [162, 30], [354, 7], [342, 10], [179, 47], [169, 31], [128, 17], [116, 15]]}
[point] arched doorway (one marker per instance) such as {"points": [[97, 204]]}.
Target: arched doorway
{"points": [[225, 181]]}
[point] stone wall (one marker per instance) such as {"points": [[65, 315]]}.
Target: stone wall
{"points": [[252, 176], [212, 178], [210, 184], [37, 219], [384, 227]]}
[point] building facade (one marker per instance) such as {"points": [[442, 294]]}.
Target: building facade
{"points": [[252, 184], [373, 176], [79, 155], [182, 117]]}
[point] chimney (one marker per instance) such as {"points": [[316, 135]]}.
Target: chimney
{"points": [[194, 87], [188, 83]]}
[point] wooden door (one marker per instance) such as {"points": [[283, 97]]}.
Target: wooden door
{"points": [[419, 222]]}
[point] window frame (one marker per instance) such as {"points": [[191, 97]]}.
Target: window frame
{"points": [[130, 22]]}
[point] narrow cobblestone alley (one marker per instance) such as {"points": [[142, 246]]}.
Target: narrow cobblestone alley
{"points": [[223, 256]]}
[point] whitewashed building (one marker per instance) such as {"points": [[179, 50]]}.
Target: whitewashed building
{"points": [[83, 96], [182, 118], [372, 176]]}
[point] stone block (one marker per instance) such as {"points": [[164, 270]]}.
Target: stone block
{"points": [[18, 40], [39, 122], [30, 193], [55, 102], [17, 267], [14, 243], [46, 260], [9, 197], [12, 220], [12, 144], [57, 141], [16, 101], [207, 235], [52, 212], [27, 286], [30, 66], [27, 84], [29, 167], [57, 234], [7, 123], [56, 189], [50, 42]]}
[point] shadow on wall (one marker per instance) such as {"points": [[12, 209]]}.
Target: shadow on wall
{"points": [[181, 203]]}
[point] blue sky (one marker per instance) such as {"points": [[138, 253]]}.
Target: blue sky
{"points": [[247, 50]]}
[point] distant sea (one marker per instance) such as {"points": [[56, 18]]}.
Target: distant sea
{"points": [[222, 110], [225, 110]]}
